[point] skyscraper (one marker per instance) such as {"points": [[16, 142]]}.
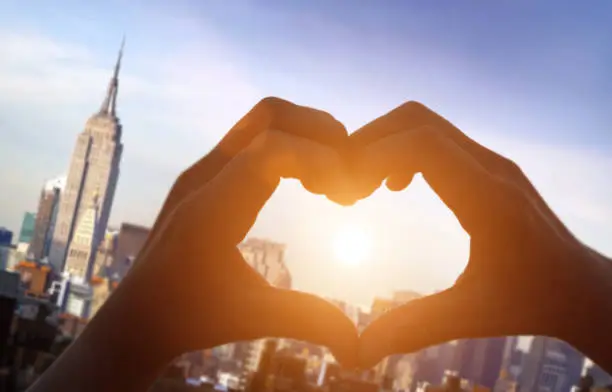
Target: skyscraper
{"points": [[27, 228], [267, 258], [45, 217], [90, 185]]}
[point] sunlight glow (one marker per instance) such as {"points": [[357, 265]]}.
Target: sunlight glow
{"points": [[352, 245]]}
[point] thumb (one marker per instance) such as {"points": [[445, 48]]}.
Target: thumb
{"points": [[274, 312], [435, 319]]}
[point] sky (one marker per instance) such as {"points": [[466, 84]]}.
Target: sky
{"points": [[531, 81]]}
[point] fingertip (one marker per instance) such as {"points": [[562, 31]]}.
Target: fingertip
{"points": [[399, 181]]}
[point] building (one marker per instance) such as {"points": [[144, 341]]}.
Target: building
{"points": [[130, 240], [86, 240], [27, 231], [45, 218], [267, 258], [6, 237], [35, 278], [480, 360], [511, 360], [550, 365], [92, 179], [600, 377], [79, 295], [105, 255], [505, 383], [101, 288], [9, 257]]}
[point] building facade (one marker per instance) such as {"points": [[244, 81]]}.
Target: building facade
{"points": [[27, 228], [130, 240], [92, 179], [6, 237], [267, 258], [481, 360], [550, 365], [45, 218]]}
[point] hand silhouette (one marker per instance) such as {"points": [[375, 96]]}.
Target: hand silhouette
{"points": [[524, 266], [208, 295]]}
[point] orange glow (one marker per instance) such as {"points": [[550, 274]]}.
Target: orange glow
{"points": [[26, 264], [352, 245]]}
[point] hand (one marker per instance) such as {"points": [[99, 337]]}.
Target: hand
{"points": [[524, 275], [198, 287]]}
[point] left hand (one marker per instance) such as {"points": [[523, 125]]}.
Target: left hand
{"points": [[190, 275]]}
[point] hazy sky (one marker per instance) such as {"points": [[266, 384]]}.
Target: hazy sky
{"points": [[531, 81]]}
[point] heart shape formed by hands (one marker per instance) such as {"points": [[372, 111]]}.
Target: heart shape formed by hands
{"points": [[216, 298]]}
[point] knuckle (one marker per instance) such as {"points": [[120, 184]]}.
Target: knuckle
{"points": [[428, 137], [413, 106], [272, 106], [420, 113], [266, 142], [515, 204], [272, 102], [268, 151], [512, 169]]}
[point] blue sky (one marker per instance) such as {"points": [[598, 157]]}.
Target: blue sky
{"points": [[531, 81]]}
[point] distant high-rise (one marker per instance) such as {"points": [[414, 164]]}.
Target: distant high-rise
{"points": [[45, 217], [6, 237], [27, 228], [92, 180], [130, 240], [267, 258], [551, 365], [481, 360]]}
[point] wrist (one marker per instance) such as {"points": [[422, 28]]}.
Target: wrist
{"points": [[119, 350], [588, 322]]}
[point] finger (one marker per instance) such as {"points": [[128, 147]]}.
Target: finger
{"points": [[269, 113], [227, 206], [432, 320], [296, 315], [414, 115], [399, 181], [407, 116], [410, 115], [462, 184], [457, 313]]}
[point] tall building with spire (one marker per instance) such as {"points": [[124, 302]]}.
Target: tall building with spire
{"points": [[90, 187]]}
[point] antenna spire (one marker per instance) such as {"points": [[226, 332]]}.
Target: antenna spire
{"points": [[109, 105]]}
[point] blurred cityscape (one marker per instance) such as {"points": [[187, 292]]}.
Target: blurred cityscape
{"points": [[58, 270]]}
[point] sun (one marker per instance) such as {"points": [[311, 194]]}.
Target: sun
{"points": [[351, 245]]}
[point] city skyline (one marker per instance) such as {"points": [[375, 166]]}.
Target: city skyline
{"points": [[183, 89]]}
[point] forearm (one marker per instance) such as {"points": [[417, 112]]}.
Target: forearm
{"points": [[119, 351], [591, 317]]}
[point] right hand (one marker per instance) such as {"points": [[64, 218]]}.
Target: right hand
{"points": [[526, 273]]}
